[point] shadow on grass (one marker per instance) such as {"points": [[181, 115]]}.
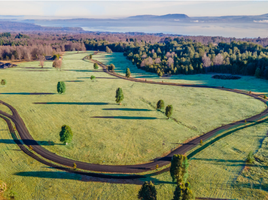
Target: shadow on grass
{"points": [[86, 178], [75, 103], [28, 142], [124, 117], [82, 70], [219, 160], [98, 78], [74, 81], [126, 109], [34, 68], [26, 93]]}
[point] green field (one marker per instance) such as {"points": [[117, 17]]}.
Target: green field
{"points": [[248, 83], [133, 132]]}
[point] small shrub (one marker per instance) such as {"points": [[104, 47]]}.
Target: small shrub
{"points": [[201, 142], [3, 82], [250, 158], [92, 77], [90, 56], [264, 97], [157, 166], [74, 166], [96, 66]]}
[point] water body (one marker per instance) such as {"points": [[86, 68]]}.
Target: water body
{"points": [[238, 30]]}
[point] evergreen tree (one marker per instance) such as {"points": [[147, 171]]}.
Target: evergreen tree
{"points": [[128, 73], [187, 193], [160, 104], [178, 193], [66, 134], [169, 111], [147, 191], [119, 97], [61, 88], [111, 67], [179, 168]]}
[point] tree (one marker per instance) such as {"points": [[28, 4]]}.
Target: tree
{"points": [[187, 193], [119, 97], [178, 193], [250, 157], [42, 61], [92, 77], [111, 67], [90, 56], [57, 63], [66, 134], [96, 66], [179, 168], [147, 191], [108, 50], [160, 104], [169, 111], [3, 82], [128, 73], [61, 87]]}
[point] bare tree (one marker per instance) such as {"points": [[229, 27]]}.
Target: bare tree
{"points": [[42, 61], [206, 62], [218, 60], [157, 60], [170, 62]]}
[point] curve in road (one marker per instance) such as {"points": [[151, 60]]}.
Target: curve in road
{"points": [[117, 169]]}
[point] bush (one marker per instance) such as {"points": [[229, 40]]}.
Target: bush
{"points": [[128, 73], [96, 66], [92, 77], [3, 82], [160, 104], [90, 56], [61, 88], [250, 157]]}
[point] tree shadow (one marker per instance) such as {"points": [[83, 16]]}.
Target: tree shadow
{"points": [[88, 178], [98, 78], [74, 81], [126, 109], [27, 93], [75, 103], [82, 70], [29, 142], [124, 117], [34, 68]]}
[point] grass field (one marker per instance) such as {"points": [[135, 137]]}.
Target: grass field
{"points": [[249, 83], [213, 173], [131, 133], [105, 132]]}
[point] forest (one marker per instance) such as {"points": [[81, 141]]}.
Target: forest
{"points": [[157, 53]]}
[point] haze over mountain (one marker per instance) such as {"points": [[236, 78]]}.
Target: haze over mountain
{"points": [[181, 24]]}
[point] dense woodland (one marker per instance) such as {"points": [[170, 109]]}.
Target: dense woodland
{"points": [[156, 53]]}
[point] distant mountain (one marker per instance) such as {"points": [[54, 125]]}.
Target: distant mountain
{"points": [[159, 17], [11, 26]]}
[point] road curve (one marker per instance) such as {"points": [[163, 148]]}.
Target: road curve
{"points": [[117, 169]]}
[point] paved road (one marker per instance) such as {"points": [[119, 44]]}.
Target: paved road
{"points": [[115, 169]]}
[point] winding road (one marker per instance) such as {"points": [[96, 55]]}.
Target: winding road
{"points": [[59, 162]]}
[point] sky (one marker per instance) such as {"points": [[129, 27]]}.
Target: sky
{"points": [[117, 9]]}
